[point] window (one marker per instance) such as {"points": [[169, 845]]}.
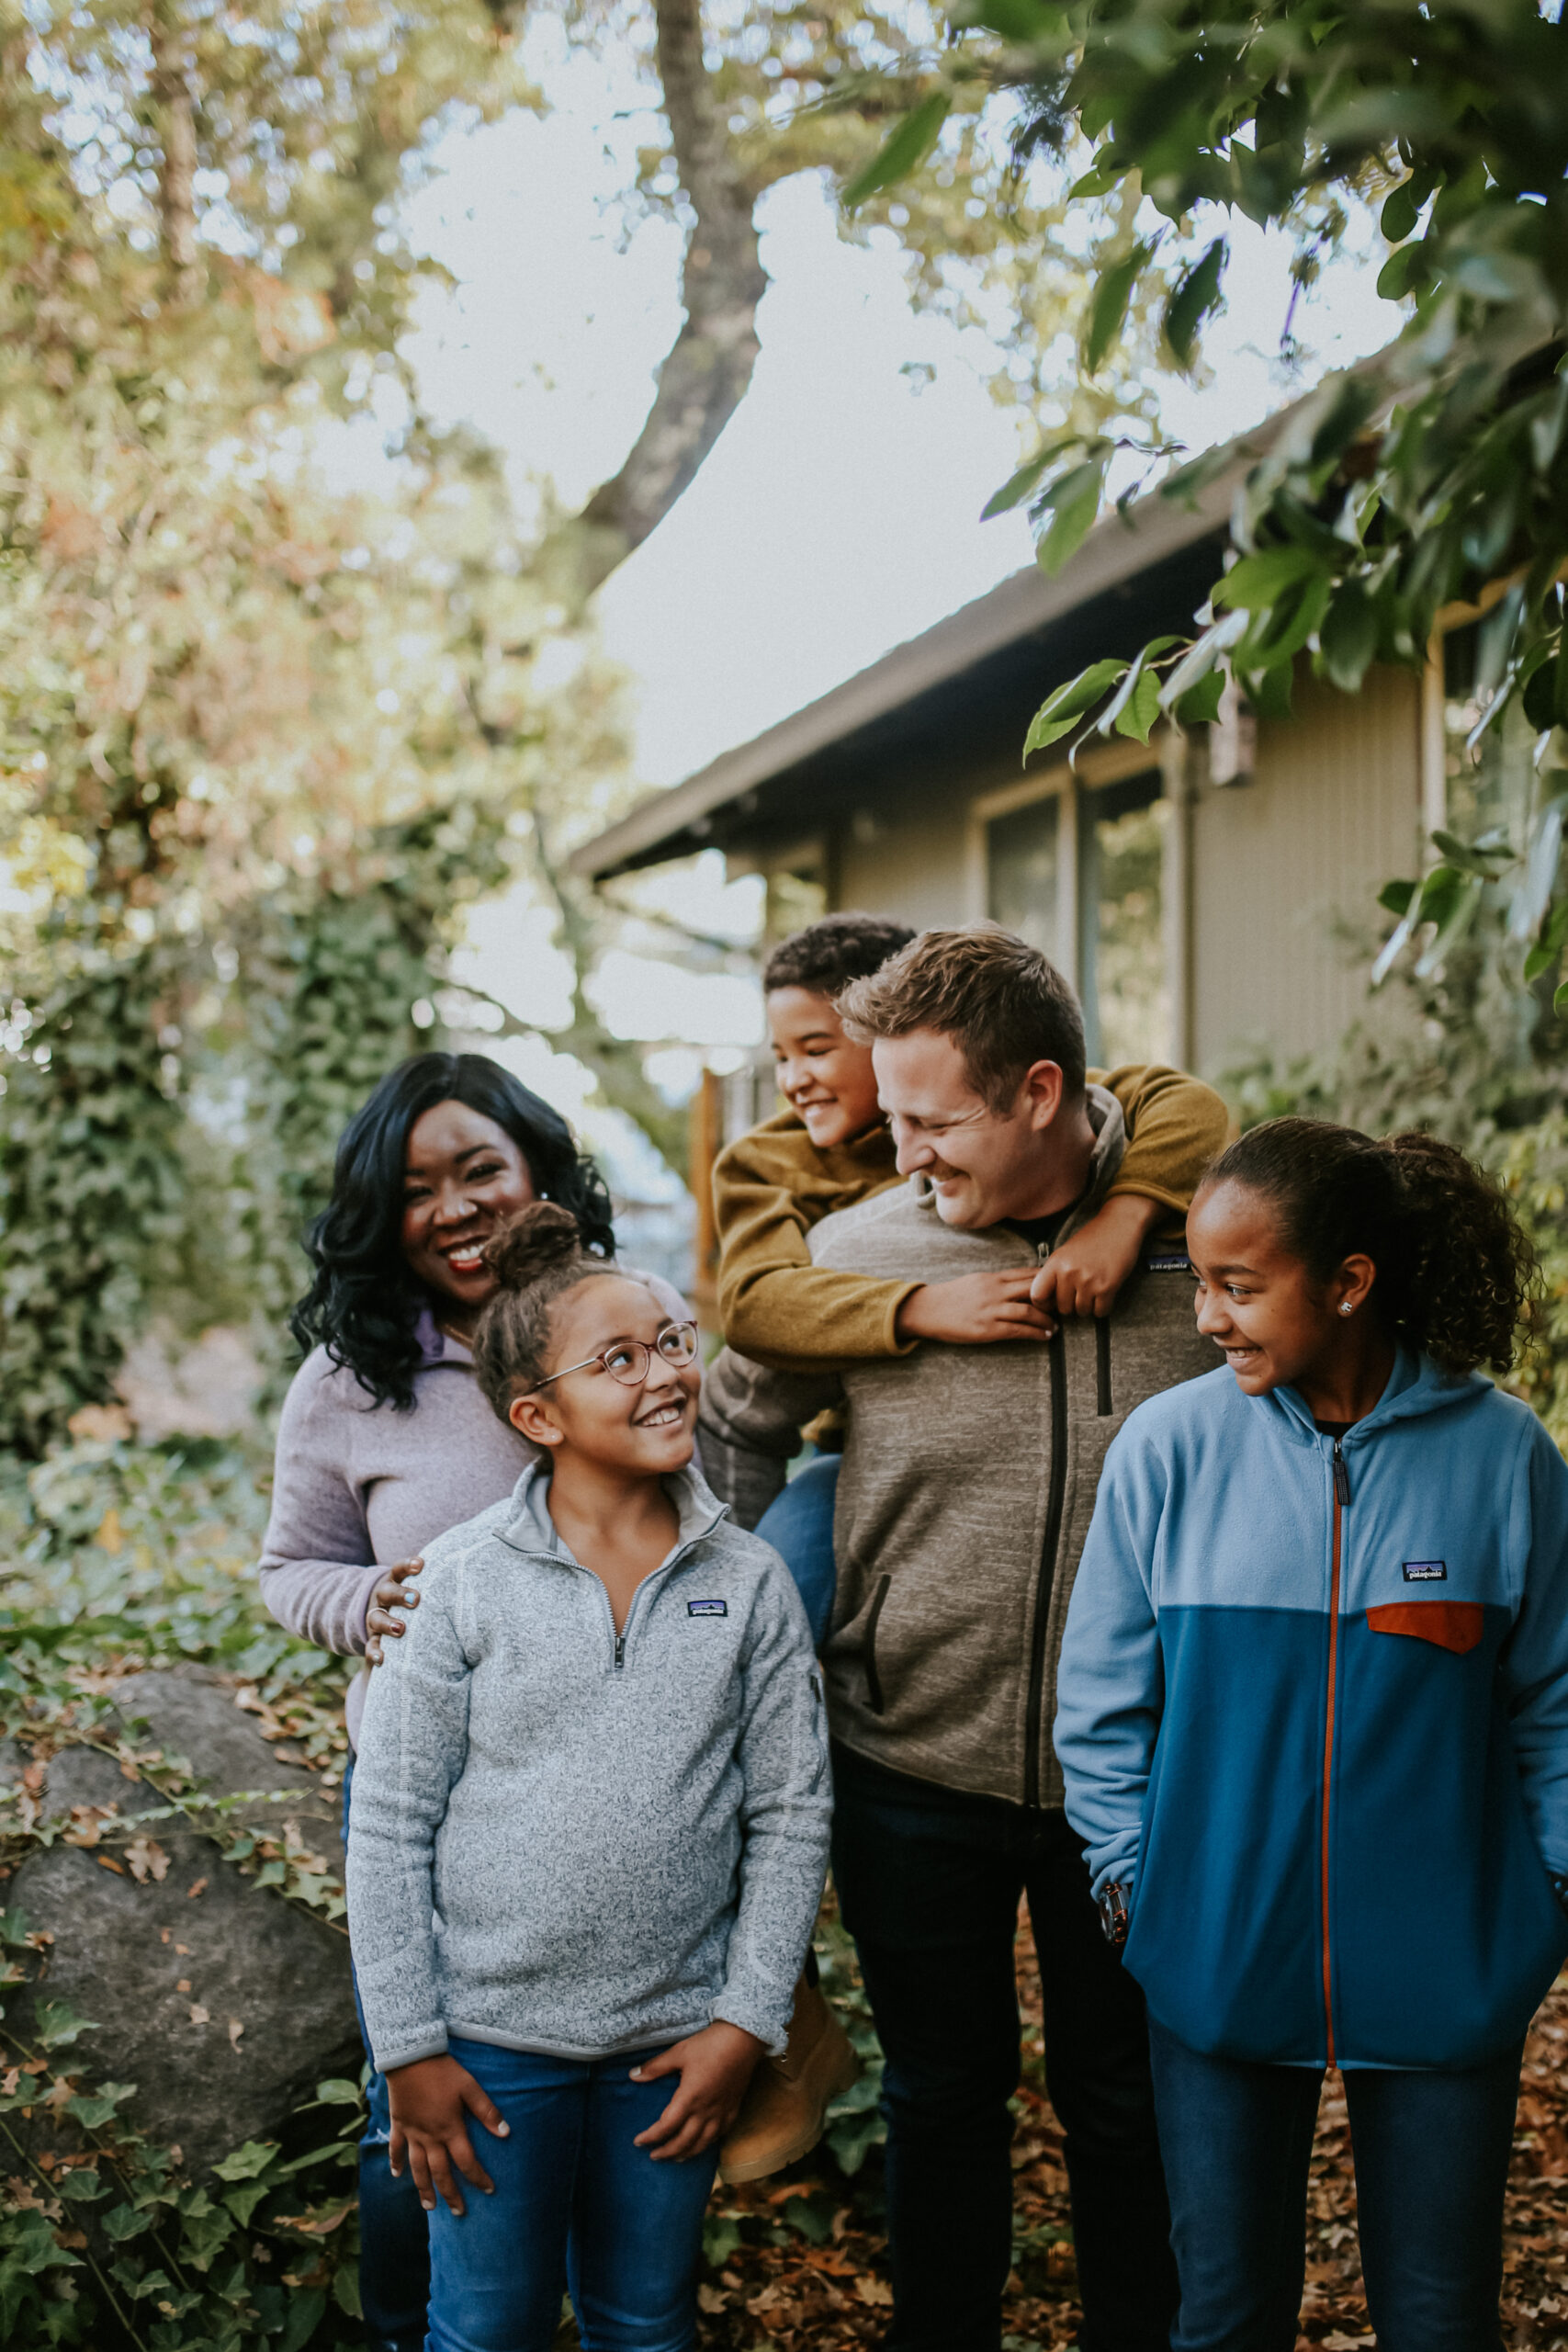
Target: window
{"points": [[1494, 785], [1078, 870], [1022, 873], [1121, 959]]}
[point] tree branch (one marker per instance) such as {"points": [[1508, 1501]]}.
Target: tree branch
{"points": [[704, 376], [177, 174]]}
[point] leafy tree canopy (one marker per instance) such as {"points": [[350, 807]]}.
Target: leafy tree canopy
{"points": [[1432, 477]]}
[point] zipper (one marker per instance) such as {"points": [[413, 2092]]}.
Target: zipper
{"points": [[874, 1679], [1046, 1578], [620, 1651], [1341, 1502]]}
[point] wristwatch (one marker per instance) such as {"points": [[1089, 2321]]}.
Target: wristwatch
{"points": [[1113, 1914]]}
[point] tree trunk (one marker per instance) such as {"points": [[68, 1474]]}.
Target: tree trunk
{"points": [[176, 176], [703, 377]]}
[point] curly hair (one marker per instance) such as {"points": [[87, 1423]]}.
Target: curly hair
{"points": [[364, 1303], [1455, 1270], [537, 1257], [826, 955]]}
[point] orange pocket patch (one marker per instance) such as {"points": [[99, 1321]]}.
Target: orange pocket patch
{"points": [[1450, 1624]]}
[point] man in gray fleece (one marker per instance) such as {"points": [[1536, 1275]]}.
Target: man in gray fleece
{"points": [[575, 1842], [968, 1481]]}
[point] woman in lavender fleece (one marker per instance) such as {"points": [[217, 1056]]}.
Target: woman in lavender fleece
{"points": [[386, 1440]]}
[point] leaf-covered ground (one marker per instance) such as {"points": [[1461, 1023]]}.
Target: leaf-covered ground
{"points": [[113, 1556], [806, 2273]]}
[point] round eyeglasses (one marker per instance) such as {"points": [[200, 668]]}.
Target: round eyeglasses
{"points": [[629, 1360]]}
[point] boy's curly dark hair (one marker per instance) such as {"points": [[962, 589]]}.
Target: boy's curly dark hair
{"points": [[826, 955], [537, 1257], [1455, 1270]]}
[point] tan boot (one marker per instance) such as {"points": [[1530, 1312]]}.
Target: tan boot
{"points": [[783, 2112]]}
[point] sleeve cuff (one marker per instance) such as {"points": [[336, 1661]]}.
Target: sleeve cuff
{"points": [[893, 1345], [432, 2044], [756, 2018], [357, 1623]]}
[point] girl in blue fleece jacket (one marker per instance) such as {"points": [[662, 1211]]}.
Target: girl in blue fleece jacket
{"points": [[1314, 1723]]}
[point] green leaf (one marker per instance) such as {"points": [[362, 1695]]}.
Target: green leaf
{"points": [[338, 2091], [345, 2291], [1258, 581], [904, 152], [1195, 295], [1062, 709], [1404, 272], [1401, 208], [124, 2222], [246, 2163], [1134, 706], [1396, 897], [305, 2308], [93, 2111], [1200, 705], [1018, 486], [1107, 306], [1073, 504], [56, 2022], [242, 2201], [1348, 635], [1472, 857], [81, 2185], [1559, 998]]}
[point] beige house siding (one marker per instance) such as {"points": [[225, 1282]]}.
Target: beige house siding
{"points": [[1281, 873], [909, 860], [1334, 811]]}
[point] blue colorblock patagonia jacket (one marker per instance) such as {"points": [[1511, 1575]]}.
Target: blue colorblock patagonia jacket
{"points": [[1314, 1718], [568, 1840]]}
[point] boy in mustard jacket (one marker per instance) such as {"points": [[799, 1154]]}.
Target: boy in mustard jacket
{"points": [[831, 1147]]}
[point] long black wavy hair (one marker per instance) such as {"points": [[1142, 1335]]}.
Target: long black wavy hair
{"points": [[365, 1301]]}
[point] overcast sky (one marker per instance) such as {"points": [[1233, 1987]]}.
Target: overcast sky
{"points": [[839, 511]]}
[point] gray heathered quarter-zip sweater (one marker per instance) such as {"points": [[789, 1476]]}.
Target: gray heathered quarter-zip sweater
{"points": [[578, 1843]]}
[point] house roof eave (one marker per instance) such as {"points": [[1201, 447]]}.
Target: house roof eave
{"points": [[1115, 550]]}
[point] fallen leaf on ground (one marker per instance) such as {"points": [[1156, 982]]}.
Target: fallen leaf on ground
{"points": [[192, 1892], [198, 2016], [107, 1862], [147, 1859], [874, 2290], [236, 2029]]}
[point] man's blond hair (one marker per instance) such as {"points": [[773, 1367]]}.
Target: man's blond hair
{"points": [[1005, 1006]]}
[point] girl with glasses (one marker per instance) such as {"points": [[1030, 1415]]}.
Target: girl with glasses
{"points": [[589, 1829]]}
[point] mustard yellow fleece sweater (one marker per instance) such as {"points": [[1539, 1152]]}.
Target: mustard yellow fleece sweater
{"points": [[770, 1187]]}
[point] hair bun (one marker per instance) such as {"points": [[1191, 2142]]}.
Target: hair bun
{"points": [[539, 1236]]}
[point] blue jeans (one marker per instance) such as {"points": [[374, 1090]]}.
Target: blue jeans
{"points": [[1431, 2162], [394, 2254], [929, 1882], [799, 1526], [577, 2207]]}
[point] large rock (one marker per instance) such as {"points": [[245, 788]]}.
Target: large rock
{"points": [[223, 2002]]}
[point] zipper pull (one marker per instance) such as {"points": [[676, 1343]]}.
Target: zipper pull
{"points": [[1341, 1480], [620, 1651]]}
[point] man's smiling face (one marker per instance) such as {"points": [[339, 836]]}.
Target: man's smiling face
{"points": [[982, 1164]]}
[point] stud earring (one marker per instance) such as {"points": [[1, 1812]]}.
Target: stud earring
{"points": [[1346, 1308]]}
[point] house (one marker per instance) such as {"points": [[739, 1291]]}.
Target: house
{"points": [[1210, 894]]}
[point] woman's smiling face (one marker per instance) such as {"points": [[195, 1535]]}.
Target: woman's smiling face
{"points": [[462, 1176]]}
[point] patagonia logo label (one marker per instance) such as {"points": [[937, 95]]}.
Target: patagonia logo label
{"points": [[1176, 1263], [1426, 1572], [707, 1608]]}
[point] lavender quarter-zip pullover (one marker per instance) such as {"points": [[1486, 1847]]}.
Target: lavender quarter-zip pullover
{"points": [[359, 1485]]}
